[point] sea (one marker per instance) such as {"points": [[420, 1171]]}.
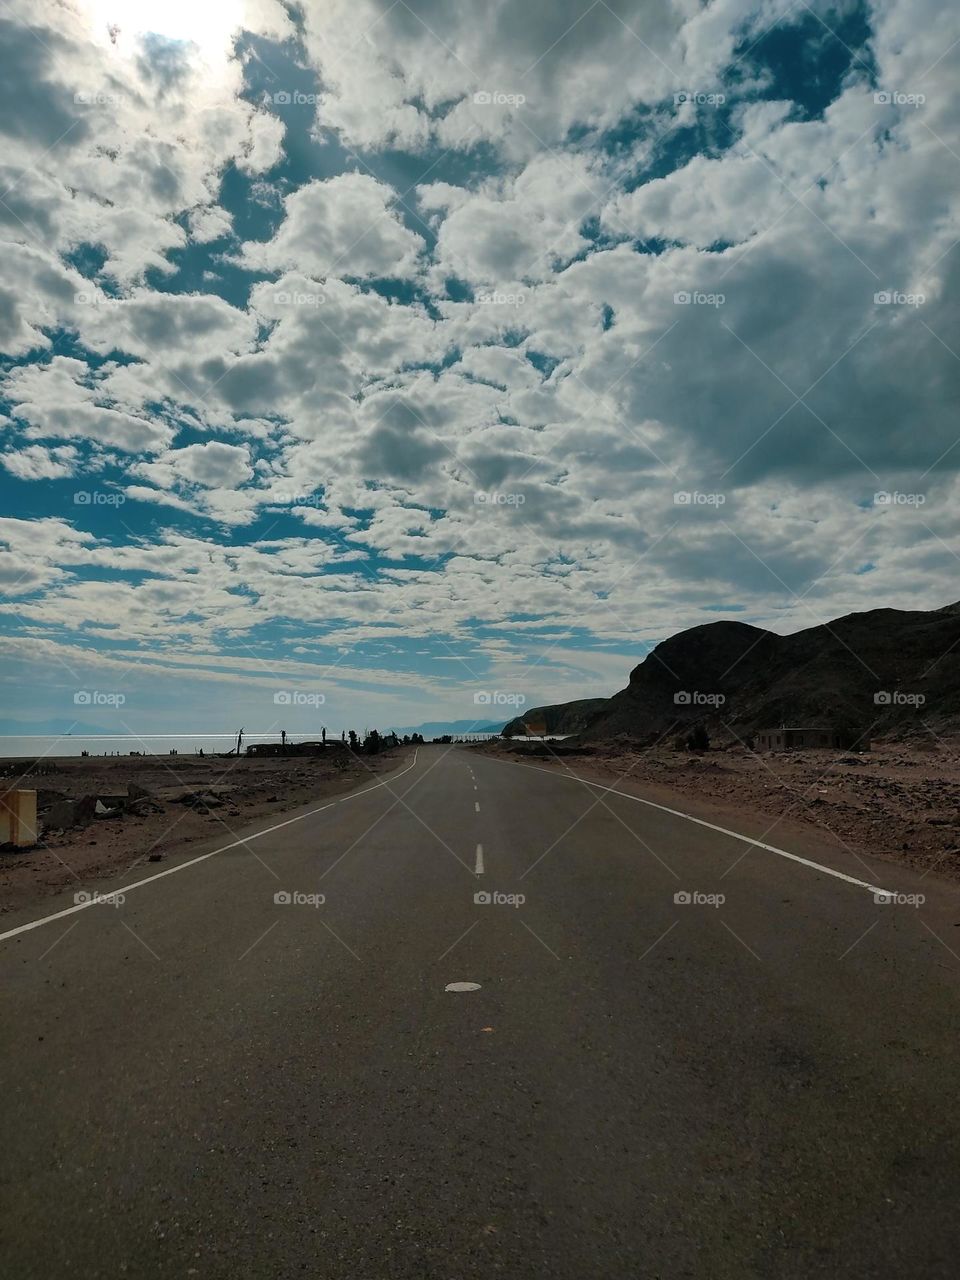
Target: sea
{"points": [[150, 744]]}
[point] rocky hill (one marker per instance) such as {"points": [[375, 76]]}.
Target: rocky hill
{"points": [[565, 717], [875, 673]]}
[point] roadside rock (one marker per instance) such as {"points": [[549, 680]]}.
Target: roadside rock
{"points": [[136, 792], [200, 800], [65, 814]]}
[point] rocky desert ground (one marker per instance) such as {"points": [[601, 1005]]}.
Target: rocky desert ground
{"points": [[899, 802], [152, 805]]}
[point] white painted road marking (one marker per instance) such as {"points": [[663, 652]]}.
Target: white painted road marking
{"points": [[476, 805], [478, 868], [462, 986], [182, 866], [724, 831]]}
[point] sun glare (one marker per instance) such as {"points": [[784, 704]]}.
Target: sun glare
{"points": [[208, 24]]}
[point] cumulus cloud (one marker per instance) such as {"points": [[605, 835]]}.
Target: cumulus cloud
{"points": [[59, 401], [96, 149], [213, 465], [467, 369], [432, 70], [38, 463], [518, 231], [341, 226]]}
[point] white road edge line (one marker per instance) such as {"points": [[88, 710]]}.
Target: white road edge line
{"points": [[678, 813], [171, 871], [478, 868]]}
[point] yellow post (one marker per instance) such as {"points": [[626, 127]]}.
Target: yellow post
{"points": [[18, 818]]}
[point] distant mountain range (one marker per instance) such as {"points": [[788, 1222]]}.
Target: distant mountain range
{"points": [[437, 728], [886, 671]]}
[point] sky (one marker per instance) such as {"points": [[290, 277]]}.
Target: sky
{"points": [[372, 363]]}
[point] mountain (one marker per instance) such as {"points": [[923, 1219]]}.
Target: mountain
{"points": [[437, 728], [873, 673], [564, 717]]}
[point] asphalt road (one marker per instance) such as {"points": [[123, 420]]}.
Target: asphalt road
{"points": [[203, 1081]]}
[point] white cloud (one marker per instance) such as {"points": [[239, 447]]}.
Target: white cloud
{"points": [[36, 291], [213, 465], [576, 405], [341, 226], [55, 403], [397, 75], [210, 223], [37, 463]]}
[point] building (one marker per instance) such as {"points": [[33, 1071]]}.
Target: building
{"points": [[784, 739]]}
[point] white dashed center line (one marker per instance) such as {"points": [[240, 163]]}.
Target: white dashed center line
{"points": [[478, 868]]}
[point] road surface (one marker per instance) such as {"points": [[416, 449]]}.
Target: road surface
{"points": [[207, 1081]]}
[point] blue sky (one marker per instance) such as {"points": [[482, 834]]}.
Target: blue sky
{"points": [[399, 353]]}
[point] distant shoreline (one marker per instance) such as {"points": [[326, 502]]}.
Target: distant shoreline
{"points": [[137, 737], [52, 746]]}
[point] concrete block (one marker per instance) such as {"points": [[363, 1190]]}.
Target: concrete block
{"points": [[18, 818]]}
